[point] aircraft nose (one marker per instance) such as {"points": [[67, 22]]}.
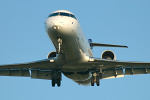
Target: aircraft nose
{"points": [[60, 25], [55, 25]]}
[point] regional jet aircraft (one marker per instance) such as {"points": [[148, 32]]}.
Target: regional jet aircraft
{"points": [[73, 56]]}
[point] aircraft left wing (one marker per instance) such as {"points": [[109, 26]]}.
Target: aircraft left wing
{"points": [[114, 69], [39, 69], [112, 63]]}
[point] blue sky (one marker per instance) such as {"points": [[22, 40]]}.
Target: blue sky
{"points": [[23, 39]]}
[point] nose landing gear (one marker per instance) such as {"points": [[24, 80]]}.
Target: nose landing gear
{"points": [[59, 40], [56, 74]]}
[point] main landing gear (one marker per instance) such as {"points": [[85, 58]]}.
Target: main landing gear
{"points": [[96, 78], [56, 78]]}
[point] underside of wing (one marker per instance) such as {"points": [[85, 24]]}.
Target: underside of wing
{"points": [[39, 69], [32, 65], [114, 63], [114, 69]]}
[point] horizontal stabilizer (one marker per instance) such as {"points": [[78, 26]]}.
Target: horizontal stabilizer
{"points": [[107, 45]]}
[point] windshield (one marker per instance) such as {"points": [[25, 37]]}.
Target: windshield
{"points": [[53, 14], [73, 16], [62, 14]]}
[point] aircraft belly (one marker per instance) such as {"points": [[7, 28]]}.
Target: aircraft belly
{"points": [[71, 49], [85, 82], [70, 46], [79, 77]]}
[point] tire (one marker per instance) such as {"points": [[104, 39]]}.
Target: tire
{"points": [[92, 81], [58, 82], [97, 81], [53, 82]]}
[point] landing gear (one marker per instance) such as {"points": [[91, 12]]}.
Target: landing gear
{"points": [[56, 74], [58, 82], [56, 78], [53, 82], [92, 81], [95, 79], [59, 40]]}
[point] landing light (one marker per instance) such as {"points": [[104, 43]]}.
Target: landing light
{"points": [[55, 27], [91, 59], [52, 60]]}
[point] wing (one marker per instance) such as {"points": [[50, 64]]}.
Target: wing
{"points": [[114, 69], [39, 69]]}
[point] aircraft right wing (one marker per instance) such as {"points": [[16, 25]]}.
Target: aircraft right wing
{"points": [[39, 69]]}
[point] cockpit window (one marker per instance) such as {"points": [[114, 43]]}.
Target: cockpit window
{"points": [[73, 16], [62, 14], [53, 14]]}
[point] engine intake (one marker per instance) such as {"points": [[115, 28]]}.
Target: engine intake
{"points": [[51, 54], [108, 54]]}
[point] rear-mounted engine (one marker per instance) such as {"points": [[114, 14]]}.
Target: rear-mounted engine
{"points": [[51, 54], [108, 54]]}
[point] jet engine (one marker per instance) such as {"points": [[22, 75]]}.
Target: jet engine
{"points": [[108, 54], [51, 54]]}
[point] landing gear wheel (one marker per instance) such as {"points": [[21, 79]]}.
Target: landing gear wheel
{"points": [[53, 82], [97, 81], [58, 82], [92, 81], [56, 78]]}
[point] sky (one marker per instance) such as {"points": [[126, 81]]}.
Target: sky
{"points": [[23, 39]]}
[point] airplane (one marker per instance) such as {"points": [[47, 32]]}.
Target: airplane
{"points": [[74, 57]]}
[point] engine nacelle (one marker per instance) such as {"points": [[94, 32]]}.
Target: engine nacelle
{"points": [[51, 54], [108, 54]]}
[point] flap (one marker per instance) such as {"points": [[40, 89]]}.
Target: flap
{"points": [[14, 72], [41, 74], [134, 71], [112, 73]]}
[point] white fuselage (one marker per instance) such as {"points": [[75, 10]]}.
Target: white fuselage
{"points": [[74, 46]]}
